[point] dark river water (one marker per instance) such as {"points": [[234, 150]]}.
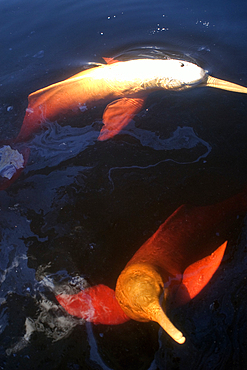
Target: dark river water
{"points": [[81, 208]]}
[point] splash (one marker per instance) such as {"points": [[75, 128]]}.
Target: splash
{"points": [[51, 320]]}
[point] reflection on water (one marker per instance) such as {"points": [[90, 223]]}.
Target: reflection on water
{"points": [[182, 138], [58, 144]]}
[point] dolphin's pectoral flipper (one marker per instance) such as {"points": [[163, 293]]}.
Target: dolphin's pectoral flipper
{"points": [[118, 114], [97, 304], [197, 276], [224, 85]]}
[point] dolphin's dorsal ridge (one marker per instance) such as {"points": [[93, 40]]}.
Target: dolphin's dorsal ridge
{"points": [[110, 60]]}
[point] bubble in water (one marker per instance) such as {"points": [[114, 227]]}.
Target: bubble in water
{"points": [[39, 55]]}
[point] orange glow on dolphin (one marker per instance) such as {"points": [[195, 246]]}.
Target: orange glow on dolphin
{"points": [[99, 305], [126, 84], [123, 86], [186, 251]]}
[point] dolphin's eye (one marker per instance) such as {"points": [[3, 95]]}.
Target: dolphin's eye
{"points": [[181, 64]]}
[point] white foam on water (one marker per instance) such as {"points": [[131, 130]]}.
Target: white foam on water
{"points": [[10, 161]]}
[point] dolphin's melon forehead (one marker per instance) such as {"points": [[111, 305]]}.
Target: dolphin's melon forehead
{"points": [[183, 71]]}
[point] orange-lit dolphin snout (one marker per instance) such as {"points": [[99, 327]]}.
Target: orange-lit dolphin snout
{"points": [[224, 85], [138, 291]]}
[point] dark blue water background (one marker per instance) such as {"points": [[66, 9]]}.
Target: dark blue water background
{"points": [[81, 208]]}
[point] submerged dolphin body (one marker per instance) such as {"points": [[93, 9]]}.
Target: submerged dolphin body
{"points": [[124, 84], [184, 253]]}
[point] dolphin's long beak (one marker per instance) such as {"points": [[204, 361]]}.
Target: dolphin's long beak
{"points": [[224, 85], [138, 290], [156, 313]]}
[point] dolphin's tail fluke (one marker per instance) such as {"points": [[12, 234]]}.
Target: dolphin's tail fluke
{"points": [[96, 304], [225, 85]]}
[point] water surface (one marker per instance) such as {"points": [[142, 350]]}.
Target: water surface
{"points": [[81, 208]]}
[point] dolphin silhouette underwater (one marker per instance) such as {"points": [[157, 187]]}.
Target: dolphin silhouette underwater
{"points": [[125, 84], [177, 262]]}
